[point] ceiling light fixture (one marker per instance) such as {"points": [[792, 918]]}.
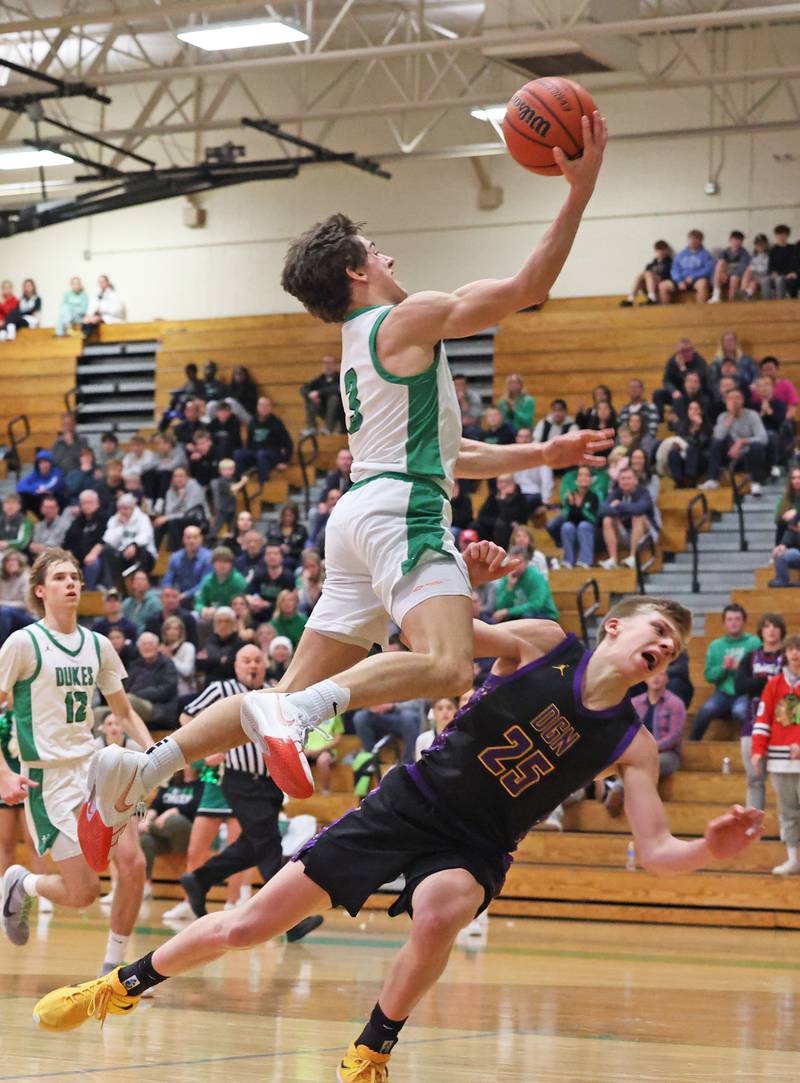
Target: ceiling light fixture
{"points": [[493, 113], [31, 159], [243, 35]]}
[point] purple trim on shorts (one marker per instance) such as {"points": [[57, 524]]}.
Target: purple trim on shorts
{"points": [[311, 842], [607, 712], [627, 737]]}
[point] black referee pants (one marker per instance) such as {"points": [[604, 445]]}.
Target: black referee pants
{"points": [[255, 801]]}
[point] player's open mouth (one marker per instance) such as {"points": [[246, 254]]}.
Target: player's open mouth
{"points": [[650, 660]]}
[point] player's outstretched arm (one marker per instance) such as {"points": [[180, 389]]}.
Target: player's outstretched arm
{"points": [[426, 317], [128, 718], [657, 848], [580, 447]]}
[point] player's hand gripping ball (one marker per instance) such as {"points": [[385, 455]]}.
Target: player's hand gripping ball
{"points": [[543, 114]]}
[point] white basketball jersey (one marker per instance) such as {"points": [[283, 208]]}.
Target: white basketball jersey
{"points": [[397, 424], [53, 702]]}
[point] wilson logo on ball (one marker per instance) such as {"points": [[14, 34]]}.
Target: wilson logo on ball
{"points": [[528, 115]]}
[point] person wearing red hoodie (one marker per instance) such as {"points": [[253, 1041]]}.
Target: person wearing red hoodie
{"points": [[8, 301], [776, 735]]}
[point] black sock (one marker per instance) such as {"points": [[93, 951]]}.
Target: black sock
{"points": [[380, 1034], [140, 976]]}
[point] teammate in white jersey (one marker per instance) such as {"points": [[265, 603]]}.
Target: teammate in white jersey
{"points": [[388, 545], [52, 668]]}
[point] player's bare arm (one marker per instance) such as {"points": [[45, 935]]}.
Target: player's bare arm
{"points": [[130, 721], [425, 318], [582, 447], [657, 848]]}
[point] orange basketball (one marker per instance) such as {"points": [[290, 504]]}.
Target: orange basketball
{"points": [[543, 114]]}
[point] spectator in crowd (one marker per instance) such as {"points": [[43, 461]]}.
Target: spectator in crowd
{"points": [[113, 617], [687, 452], [194, 386], [280, 652], [109, 449], [679, 680], [580, 515], [501, 510], [292, 534], [783, 266], [45, 478], [216, 388], [569, 482], [339, 478], [203, 458], [587, 417], [756, 277], [73, 308], [184, 505], [786, 553], [167, 824], [755, 669], [251, 557], [640, 465], [128, 539], [673, 390], [142, 602], [524, 592], [648, 281], [105, 306], [772, 412], [638, 404], [223, 497], [461, 505], [26, 314], [169, 456], [68, 445], [138, 458], [693, 392], [171, 606], [318, 520], [269, 446], [730, 268], [691, 272], [152, 683], [265, 634], [125, 649], [286, 620], [746, 371], [557, 422], [722, 661], [496, 429], [84, 537], [85, 477], [776, 740], [51, 529], [603, 416], [323, 399], [783, 389], [16, 528], [389, 720], [244, 524], [245, 625], [663, 714], [14, 576], [8, 300], [175, 646], [189, 566], [517, 406], [640, 435], [441, 714], [469, 401], [111, 485], [740, 437], [627, 517], [726, 384], [190, 424], [243, 390], [217, 658], [225, 431], [320, 750], [220, 586], [535, 483], [522, 536], [271, 580], [309, 581]]}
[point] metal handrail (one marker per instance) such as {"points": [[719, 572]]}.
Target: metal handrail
{"points": [[585, 612], [250, 492], [693, 528], [643, 566], [71, 400], [744, 544], [15, 438], [306, 462]]}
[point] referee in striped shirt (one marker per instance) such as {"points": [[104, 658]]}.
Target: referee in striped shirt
{"points": [[253, 797]]}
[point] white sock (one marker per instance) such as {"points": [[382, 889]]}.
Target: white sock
{"points": [[163, 760], [652, 297], [790, 850], [321, 701], [30, 884], [115, 948], [631, 298], [715, 296]]}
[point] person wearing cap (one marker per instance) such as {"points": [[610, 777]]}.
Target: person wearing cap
{"points": [[280, 655], [128, 539], [113, 617]]}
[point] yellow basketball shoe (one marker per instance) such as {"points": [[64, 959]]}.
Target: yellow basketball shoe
{"points": [[71, 1005], [361, 1065]]}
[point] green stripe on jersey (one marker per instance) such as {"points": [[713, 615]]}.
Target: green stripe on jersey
{"points": [[61, 647], [423, 452], [46, 831], [23, 711], [424, 524]]}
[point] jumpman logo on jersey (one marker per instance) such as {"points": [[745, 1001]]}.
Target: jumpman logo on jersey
{"points": [[561, 668]]}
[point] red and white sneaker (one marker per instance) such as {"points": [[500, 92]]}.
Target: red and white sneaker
{"points": [[115, 789], [279, 730]]}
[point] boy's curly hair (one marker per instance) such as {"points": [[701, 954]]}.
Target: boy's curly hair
{"points": [[316, 265]]}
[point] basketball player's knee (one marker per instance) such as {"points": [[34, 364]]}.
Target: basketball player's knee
{"points": [[131, 865], [441, 923], [244, 931], [452, 669]]}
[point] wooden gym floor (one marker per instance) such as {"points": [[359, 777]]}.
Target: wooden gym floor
{"points": [[572, 1002]]}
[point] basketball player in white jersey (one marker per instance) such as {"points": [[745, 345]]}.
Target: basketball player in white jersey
{"points": [[52, 668], [388, 545]]}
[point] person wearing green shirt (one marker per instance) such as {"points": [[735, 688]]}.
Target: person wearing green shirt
{"points": [[722, 660], [221, 585], [74, 306], [287, 621], [517, 405], [524, 592], [321, 750], [16, 529]]}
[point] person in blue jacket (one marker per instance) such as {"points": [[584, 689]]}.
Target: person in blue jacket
{"points": [[45, 478], [692, 271], [627, 516]]}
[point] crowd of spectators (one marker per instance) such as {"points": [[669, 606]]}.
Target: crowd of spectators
{"points": [[79, 312]]}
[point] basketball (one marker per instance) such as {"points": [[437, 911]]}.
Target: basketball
{"points": [[543, 114]]}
